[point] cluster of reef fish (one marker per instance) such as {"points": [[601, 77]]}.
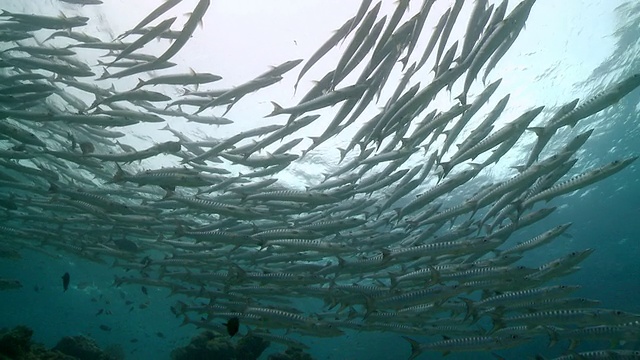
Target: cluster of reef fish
{"points": [[406, 234]]}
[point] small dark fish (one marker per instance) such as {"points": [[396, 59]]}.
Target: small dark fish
{"points": [[233, 325], [128, 302], [99, 312], [87, 148], [160, 335], [10, 284], [134, 340], [65, 281], [126, 245], [105, 328], [144, 290]]}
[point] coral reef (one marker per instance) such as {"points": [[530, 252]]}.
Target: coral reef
{"points": [[291, 354], [208, 345], [15, 344], [82, 348]]}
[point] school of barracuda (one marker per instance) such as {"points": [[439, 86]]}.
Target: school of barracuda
{"points": [[237, 244]]}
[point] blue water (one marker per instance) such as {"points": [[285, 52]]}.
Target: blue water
{"points": [[605, 217]]}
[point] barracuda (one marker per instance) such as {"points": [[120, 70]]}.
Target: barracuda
{"points": [[559, 266], [438, 190], [513, 299], [582, 317], [144, 39], [619, 334], [579, 181], [599, 102], [217, 207], [433, 250], [538, 240], [544, 134], [311, 245], [476, 343]]}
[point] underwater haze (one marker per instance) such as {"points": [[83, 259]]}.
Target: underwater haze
{"points": [[343, 179]]}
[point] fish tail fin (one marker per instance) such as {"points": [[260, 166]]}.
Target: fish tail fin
{"points": [[519, 205], [574, 344], [462, 98], [435, 275], [471, 311], [369, 306], [119, 175], [139, 85], [169, 193], [53, 188], [386, 254], [277, 109], [446, 168], [181, 308], [393, 278], [553, 336], [404, 61], [105, 74], [399, 214], [343, 153], [304, 153], [185, 320], [95, 104], [416, 350], [498, 323], [110, 53], [538, 130]]}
